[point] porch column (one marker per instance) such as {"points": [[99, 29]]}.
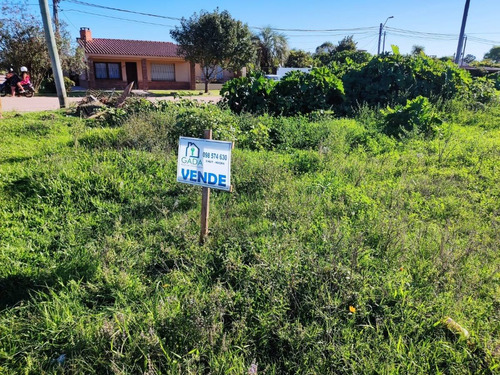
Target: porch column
{"points": [[144, 75], [192, 83]]}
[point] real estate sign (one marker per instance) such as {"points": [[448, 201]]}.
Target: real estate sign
{"points": [[205, 163]]}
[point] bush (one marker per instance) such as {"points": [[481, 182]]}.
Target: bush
{"points": [[49, 85], [417, 116], [393, 79], [481, 90], [296, 93], [159, 126], [300, 93], [248, 94]]}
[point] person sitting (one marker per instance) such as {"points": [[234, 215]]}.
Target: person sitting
{"points": [[11, 79], [25, 79]]}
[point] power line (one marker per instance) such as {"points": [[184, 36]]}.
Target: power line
{"points": [[328, 32], [117, 18], [323, 30], [356, 30], [122, 10]]}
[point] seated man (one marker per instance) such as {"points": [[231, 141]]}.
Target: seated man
{"points": [[12, 80]]}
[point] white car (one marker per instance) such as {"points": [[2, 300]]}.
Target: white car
{"points": [[274, 77]]}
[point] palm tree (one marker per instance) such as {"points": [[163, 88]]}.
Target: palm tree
{"points": [[272, 49], [417, 50]]}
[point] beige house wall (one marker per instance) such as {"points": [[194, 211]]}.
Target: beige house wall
{"points": [[183, 72]]}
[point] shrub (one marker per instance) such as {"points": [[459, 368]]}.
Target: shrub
{"points": [[393, 79], [49, 85], [254, 132], [248, 94], [417, 116], [296, 93], [192, 121], [160, 126], [300, 93], [481, 90]]}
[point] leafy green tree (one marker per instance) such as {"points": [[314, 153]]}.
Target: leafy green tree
{"points": [[22, 43], [299, 59], [326, 47], [212, 40], [346, 44], [493, 54], [272, 49], [346, 49]]}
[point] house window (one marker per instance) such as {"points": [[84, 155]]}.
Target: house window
{"points": [[162, 72], [107, 71]]}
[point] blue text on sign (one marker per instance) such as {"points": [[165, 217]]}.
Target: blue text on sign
{"points": [[204, 177]]}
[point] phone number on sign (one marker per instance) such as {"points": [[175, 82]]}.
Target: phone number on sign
{"points": [[214, 155]]}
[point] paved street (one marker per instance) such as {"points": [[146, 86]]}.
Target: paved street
{"points": [[45, 103]]}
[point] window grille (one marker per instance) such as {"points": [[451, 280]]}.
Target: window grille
{"points": [[162, 72]]}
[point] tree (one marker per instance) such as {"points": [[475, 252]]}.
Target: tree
{"points": [[327, 53], [22, 43], [272, 49], [493, 54], [326, 47], [469, 58], [346, 44], [214, 40], [299, 59], [417, 50]]}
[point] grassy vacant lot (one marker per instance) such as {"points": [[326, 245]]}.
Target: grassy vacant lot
{"points": [[341, 250]]}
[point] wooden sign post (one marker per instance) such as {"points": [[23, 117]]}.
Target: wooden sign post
{"points": [[205, 202]]}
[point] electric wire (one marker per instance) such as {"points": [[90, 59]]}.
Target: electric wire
{"points": [[117, 18], [122, 10]]}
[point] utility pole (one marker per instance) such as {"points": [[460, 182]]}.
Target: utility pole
{"points": [[55, 14], [379, 38], [462, 31], [382, 25], [383, 44], [463, 51], [54, 55]]}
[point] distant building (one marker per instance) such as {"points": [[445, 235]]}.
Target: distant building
{"points": [[114, 63]]}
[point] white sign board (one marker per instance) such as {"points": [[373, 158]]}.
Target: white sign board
{"points": [[204, 162]]}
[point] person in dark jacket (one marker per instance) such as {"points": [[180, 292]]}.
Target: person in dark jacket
{"points": [[11, 79]]}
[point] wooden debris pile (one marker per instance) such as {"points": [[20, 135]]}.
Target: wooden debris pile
{"points": [[96, 102]]}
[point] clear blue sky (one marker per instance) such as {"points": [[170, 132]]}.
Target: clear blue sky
{"points": [[410, 25]]}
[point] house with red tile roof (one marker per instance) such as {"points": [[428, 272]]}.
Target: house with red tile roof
{"points": [[114, 63]]}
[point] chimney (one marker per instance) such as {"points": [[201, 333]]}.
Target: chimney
{"points": [[85, 34]]}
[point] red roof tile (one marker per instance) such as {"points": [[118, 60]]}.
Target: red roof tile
{"points": [[99, 46]]}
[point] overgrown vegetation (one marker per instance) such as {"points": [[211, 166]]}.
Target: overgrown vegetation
{"points": [[387, 80], [340, 251]]}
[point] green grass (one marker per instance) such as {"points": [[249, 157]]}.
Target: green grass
{"points": [[101, 262]]}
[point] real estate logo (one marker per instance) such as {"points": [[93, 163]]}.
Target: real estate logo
{"points": [[192, 155], [192, 151]]}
